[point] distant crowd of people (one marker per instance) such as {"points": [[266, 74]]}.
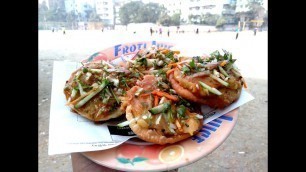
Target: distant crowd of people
{"points": [[178, 30], [238, 30], [160, 31]]}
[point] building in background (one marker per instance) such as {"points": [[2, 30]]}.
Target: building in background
{"points": [[229, 11], [173, 6], [198, 7], [193, 10], [117, 5], [242, 9], [81, 8], [247, 18], [105, 10]]}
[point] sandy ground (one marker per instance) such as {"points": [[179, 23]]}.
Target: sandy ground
{"points": [[246, 147]]}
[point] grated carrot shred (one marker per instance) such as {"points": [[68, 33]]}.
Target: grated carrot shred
{"points": [[164, 94]]}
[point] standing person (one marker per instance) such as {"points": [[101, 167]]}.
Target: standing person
{"points": [[168, 33], [160, 31], [237, 32], [197, 31], [64, 31], [151, 31], [255, 30]]}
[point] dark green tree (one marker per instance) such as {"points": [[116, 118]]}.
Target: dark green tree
{"points": [[209, 19], [220, 22], [130, 12], [151, 13], [194, 19], [42, 11], [164, 19], [256, 10], [176, 19]]}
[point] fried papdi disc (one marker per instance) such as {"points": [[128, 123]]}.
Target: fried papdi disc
{"points": [[229, 95], [137, 106], [184, 92], [99, 117], [150, 135], [91, 109]]}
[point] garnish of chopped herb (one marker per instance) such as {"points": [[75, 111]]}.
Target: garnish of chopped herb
{"points": [[105, 99], [192, 64], [115, 81], [105, 95], [216, 55], [113, 107], [142, 61], [199, 59], [183, 102], [85, 70], [181, 110], [170, 115], [136, 74], [105, 82], [124, 81], [227, 55], [185, 69], [169, 55], [117, 99], [161, 73], [229, 65], [155, 66]]}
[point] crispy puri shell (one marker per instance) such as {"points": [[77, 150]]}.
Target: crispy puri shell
{"points": [[102, 117], [94, 116], [228, 95], [150, 135], [185, 93]]}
